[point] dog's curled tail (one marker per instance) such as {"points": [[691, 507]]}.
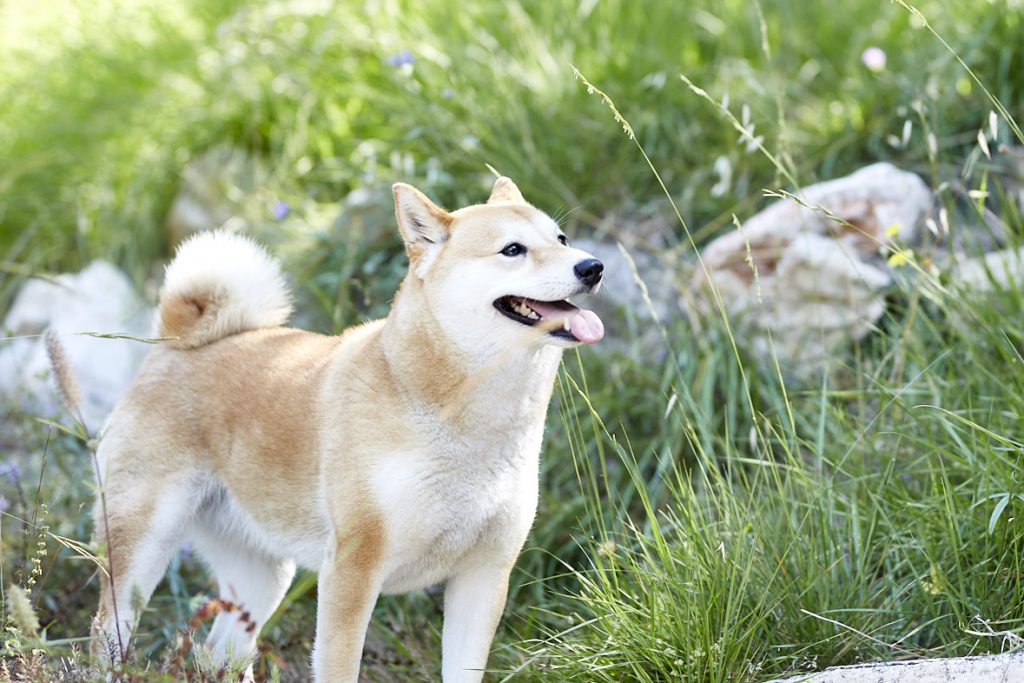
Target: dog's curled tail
{"points": [[219, 284]]}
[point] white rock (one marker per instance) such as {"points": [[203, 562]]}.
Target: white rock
{"points": [[996, 270], [813, 282], [1002, 668], [98, 299]]}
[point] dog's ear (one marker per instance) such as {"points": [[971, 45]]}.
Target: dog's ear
{"points": [[505, 191], [424, 225]]}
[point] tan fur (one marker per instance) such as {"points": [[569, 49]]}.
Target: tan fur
{"points": [[391, 457], [179, 316], [505, 191]]}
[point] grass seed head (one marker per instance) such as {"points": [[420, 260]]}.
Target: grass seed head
{"points": [[20, 609], [67, 384]]}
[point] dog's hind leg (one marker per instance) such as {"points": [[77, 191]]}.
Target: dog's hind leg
{"points": [[247, 577], [141, 526]]}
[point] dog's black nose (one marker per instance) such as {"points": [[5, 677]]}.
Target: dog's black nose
{"points": [[589, 271]]}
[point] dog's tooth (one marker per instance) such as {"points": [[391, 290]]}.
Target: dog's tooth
{"points": [[522, 308], [565, 324]]}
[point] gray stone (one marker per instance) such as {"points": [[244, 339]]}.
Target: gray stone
{"points": [[628, 315], [996, 270], [220, 187], [1011, 162]]}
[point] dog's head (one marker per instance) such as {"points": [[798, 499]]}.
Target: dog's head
{"points": [[499, 272]]}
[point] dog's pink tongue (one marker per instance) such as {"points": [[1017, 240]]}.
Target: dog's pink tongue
{"points": [[586, 327], [584, 324]]}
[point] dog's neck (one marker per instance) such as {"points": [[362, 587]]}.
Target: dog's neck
{"points": [[439, 372]]}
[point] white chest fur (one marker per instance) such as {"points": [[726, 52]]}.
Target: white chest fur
{"points": [[454, 499]]}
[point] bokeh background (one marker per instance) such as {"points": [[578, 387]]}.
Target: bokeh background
{"points": [[707, 512]]}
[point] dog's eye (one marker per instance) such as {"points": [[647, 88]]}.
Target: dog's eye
{"points": [[563, 240], [513, 249]]}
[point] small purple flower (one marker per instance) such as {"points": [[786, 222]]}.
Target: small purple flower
{"points": [[874, 58], [401, 59], [447, 94], [5, 504], [281, 209], [10, 472], [187, 551]]}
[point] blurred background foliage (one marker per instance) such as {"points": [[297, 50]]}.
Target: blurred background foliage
{"points": [[105, 103]]}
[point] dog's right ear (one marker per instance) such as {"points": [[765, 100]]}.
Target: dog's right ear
{"points": [[424, 225]]}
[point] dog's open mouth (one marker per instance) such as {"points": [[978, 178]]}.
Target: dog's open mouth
{"points": [[560, 318]]}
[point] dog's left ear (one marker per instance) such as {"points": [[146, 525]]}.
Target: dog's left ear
{"points": [[505, 191], [424, 225]]}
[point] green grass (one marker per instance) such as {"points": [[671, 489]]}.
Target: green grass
{"points": [[856, 523], [704, 516]]}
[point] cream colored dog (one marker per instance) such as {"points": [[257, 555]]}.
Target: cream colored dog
{"points": [[398, 455]]}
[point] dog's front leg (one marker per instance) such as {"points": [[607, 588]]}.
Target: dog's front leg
{"points": [[473, 602], [348, 587]]}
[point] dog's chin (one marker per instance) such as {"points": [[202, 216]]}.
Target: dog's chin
{"points": [[556, 323], [559, 342]]}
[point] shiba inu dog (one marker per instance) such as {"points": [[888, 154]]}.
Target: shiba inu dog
{"points": [[398, 455]]}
